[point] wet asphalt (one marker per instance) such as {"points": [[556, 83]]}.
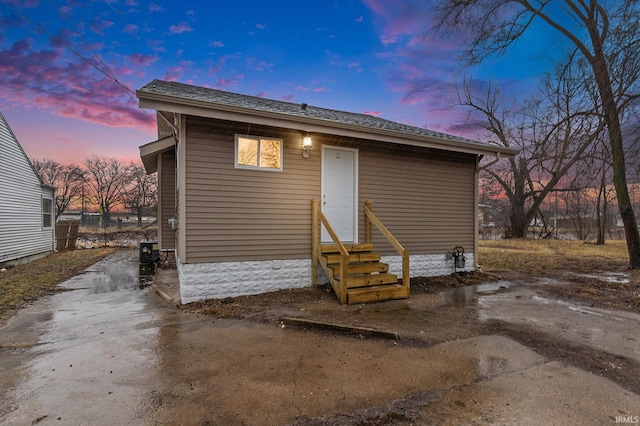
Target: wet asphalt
{"points": [[112, 352]]}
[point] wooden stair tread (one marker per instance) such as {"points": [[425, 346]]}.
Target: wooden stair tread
{"points": [[350, 248], [368, 279]]}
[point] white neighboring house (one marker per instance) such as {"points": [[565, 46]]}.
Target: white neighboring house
{"points": [[27, 206]]}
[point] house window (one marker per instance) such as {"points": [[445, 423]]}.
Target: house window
{"points": [[47, 212], [254, 152]]}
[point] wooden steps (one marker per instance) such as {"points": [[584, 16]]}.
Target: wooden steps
{"points": [[368, 279], [378, 293]]}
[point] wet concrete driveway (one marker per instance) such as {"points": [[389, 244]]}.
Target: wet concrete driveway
{"points": [[111, 352]]}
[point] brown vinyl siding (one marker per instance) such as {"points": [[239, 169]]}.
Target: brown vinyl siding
{"points": [[425, 197], [238, 214], [167, 201], [428, 204]]}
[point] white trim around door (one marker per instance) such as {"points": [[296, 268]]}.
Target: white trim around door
{"points": [[339, 187]]}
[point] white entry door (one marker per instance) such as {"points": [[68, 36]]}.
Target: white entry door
{"points": [[339, 192]]}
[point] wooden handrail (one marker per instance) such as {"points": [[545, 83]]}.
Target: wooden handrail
{"points": [[318, 219], [334, 237], [371, 218], [383, 229], [318, 216]]}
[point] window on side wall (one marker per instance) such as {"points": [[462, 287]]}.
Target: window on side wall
{"points": [[261, 153], [47, 212]]}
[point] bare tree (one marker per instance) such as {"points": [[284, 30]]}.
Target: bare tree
{"points": [[551, 133], [105, 178], [67, 179], [606, 34], [599, 165], [579, 207], [141, 192]]}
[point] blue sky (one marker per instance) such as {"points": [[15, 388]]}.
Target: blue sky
{"points": [[65, 64]]}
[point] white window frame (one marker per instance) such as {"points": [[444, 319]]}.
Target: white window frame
{"points": [[50, 213], [259, 140]]}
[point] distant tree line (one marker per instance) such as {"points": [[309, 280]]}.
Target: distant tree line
{"points": [[103, 183]]}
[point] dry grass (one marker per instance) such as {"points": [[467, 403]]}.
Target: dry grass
{"points": [[549, 257], [580, 269], [25, 283]]}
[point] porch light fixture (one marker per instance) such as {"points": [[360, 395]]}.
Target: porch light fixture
{"points": [[306, 146]]}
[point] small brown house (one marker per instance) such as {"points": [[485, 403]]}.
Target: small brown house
{"points": [[259, 195]]}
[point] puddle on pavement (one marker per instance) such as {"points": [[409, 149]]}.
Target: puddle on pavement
{"points": [[608, 277], [109, 282], [119, 272], [95, 342], [468, 295]]}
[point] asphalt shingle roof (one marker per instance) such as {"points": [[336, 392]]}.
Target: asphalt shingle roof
{"points": [[207, 95], [212, 98]]}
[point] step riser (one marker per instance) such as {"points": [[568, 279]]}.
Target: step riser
{"points": [[350, 248], [365, 268], [371, 280], [334, 259], [376, 294]]}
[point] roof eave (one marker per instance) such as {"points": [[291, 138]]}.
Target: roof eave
{"points": [[149, 152], [177, 104]]}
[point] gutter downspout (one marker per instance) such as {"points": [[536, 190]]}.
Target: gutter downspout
{"points": [[170, 123], [491, 163]]}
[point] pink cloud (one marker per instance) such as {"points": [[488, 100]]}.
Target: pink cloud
{"points": [[359, 19], [216, 43], [155, 45], [174, 73], [223, 83], [400, 18], [131, 29], [388, 39], [320, 89], [353, 64], [155, 8], [287, 98], [142, 60], [98, 26], [182, 27], [373, 113], [255, 65], [48, 80], [65, 11]]}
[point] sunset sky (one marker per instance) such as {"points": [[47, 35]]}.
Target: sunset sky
{"points": [[69, 68]]}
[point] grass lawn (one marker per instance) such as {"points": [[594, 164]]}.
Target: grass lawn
{"points": [[544, 257]]}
